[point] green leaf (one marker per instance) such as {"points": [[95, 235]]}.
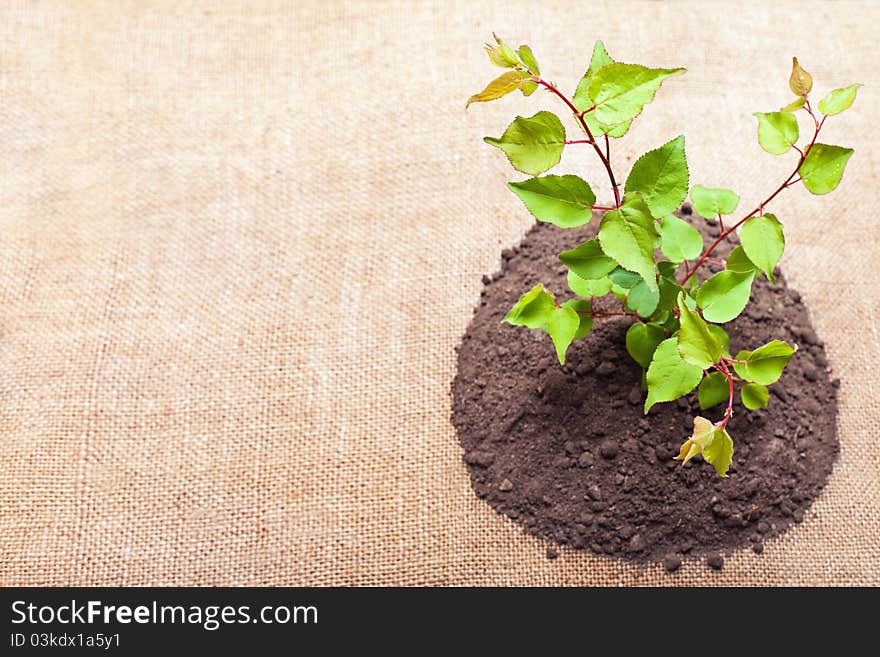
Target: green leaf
{"points": [[532, 309], [532, 144], [670, 323], [669, 377], [661, 177], [689, 301], [584, 310], [629, 235], [679, 240], [669, 287], [642, 299], [764, 365], [588, 261], [597, 287], [777, 131], [620, 91], [724, 296], [667, 268], [710, 440], [527, 58], [696, 343], [722, 336], [763, 242], [565, 201], [616, 130], [823, 167], [527, 87], [794, 105], [838, 100], [619, 292], [800, 82], [754, 396], [713, 390], [709, 202], [669, 291], [600, 58], [719, 451], [642, 341], [739, 262], [582, 100], [662, 317], [562, 325], [623, 278], [500, 86]]}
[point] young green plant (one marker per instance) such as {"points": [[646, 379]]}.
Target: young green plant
{"points": [[646, 256]]}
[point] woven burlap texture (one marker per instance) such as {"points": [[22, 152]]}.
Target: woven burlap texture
{"points": [[240, 242]]}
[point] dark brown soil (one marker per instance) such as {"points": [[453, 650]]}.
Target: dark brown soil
{"points": [[567, 452]]}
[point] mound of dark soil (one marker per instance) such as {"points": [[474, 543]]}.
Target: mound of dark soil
{"points": [[567, 452]]}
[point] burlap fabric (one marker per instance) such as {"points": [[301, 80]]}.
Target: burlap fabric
{"points": [[239, 243]]}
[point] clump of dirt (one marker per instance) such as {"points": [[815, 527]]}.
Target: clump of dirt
{"points": [[567, 452]]}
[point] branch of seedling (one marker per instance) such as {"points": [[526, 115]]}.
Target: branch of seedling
{"points": [[759, 210], [605, 158], [676, 336], [606, 162], [723, 367], [579, 115]]}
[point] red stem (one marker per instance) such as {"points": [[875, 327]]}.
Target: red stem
{"points": [[577, 141], [612, 314], [600, 315], [721, 367], [690, 271], [592, 140]]}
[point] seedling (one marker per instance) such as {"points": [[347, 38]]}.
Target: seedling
{"points": [[675, 336]]}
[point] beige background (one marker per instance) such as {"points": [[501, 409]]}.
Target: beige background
{"points": [[239, 243]]}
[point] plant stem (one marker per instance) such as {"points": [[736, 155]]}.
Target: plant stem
{"points": [[613, 314], [690, 271], [577, 141], [721, 367], [602, 314], [592, 140]]}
